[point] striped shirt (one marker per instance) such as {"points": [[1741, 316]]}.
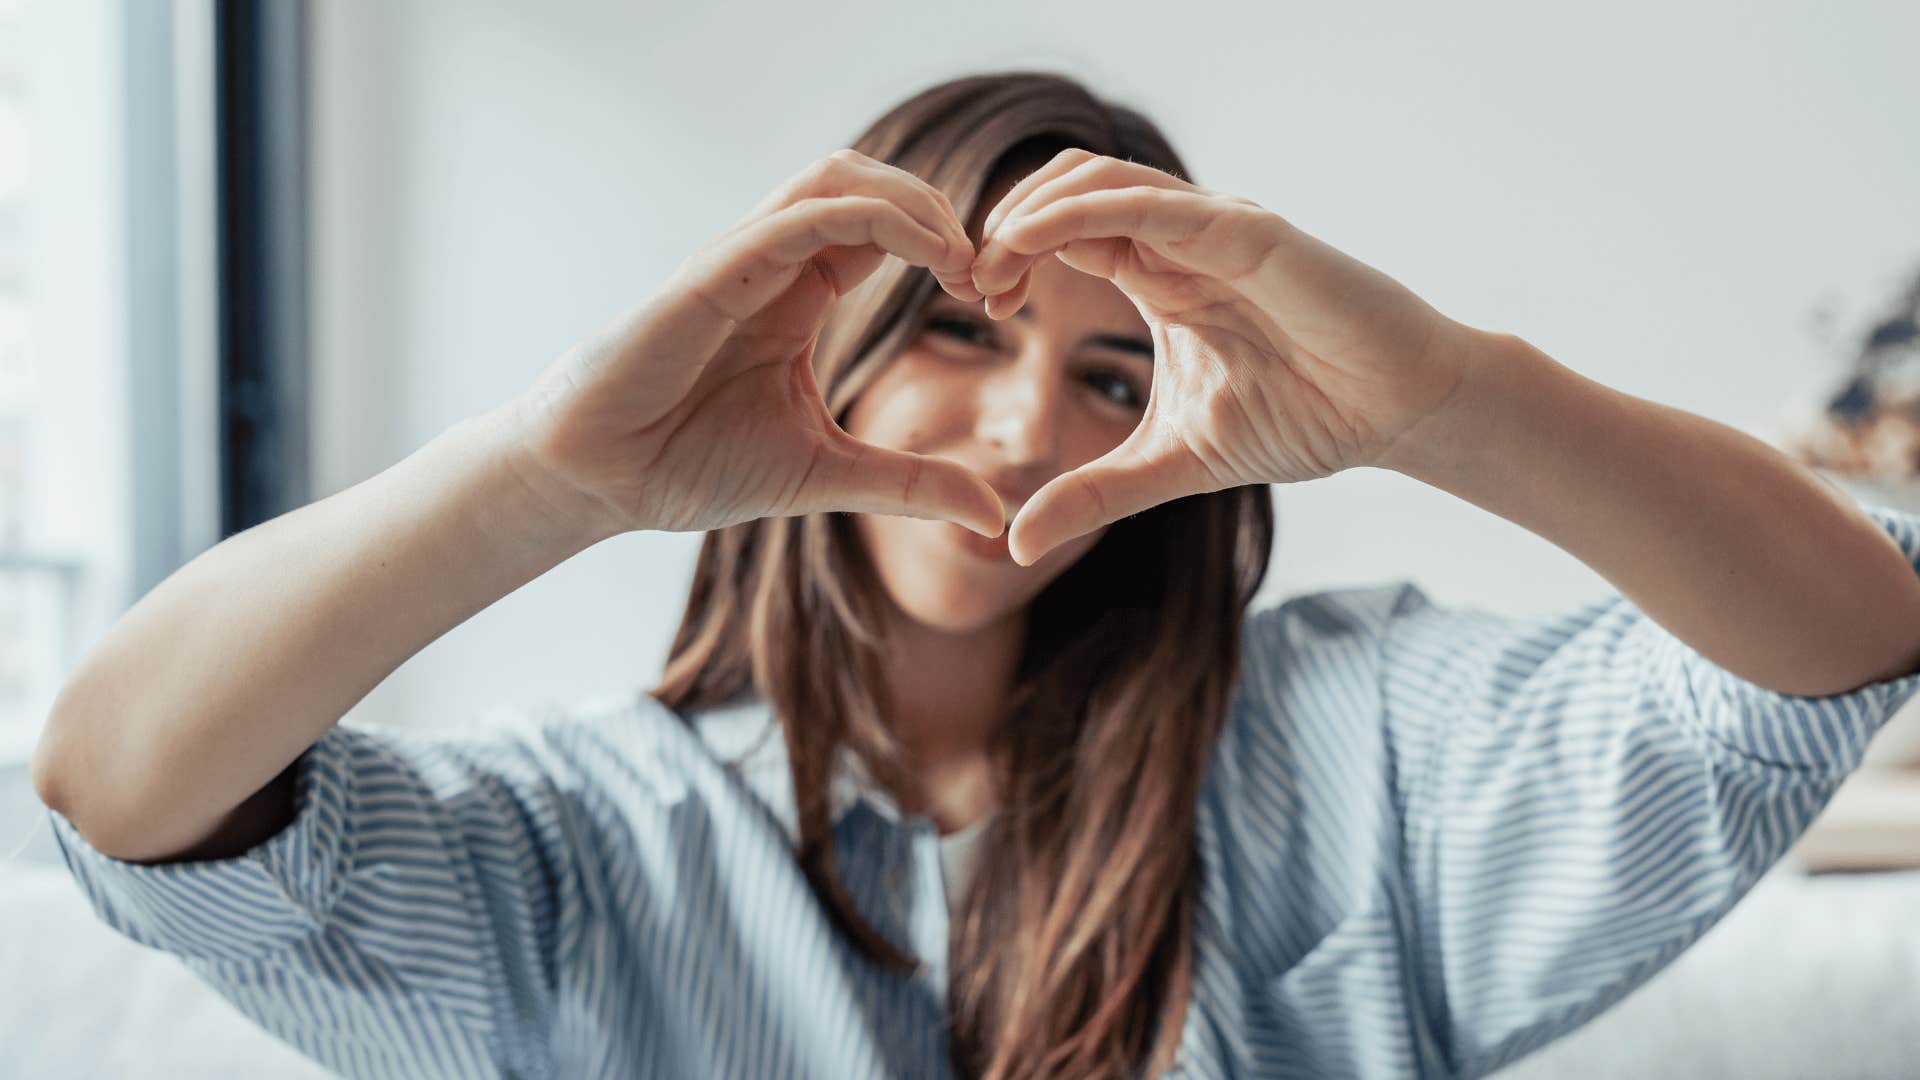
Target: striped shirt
{"points": [[1433, 840]]}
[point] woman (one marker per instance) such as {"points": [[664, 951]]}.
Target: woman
{"points": [[1353, 834]]}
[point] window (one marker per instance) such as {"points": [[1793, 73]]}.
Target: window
{"points": [[64, 547]]}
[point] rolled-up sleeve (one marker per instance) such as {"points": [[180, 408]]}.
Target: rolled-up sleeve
{"points": [[402, 924], [1583, 796]]}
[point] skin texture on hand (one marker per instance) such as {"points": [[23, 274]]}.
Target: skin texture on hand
{"points": [[1279, 358], [698, 409]]}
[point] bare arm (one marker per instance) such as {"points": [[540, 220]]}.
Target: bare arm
{"points": [[693, 411], [167, 734], [1743, 553]]}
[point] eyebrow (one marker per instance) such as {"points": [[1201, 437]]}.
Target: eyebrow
{"points": [[1126, 343]]}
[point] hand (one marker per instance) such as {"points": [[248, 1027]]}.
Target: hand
{"points": [[699, 410], [1278, 358]]}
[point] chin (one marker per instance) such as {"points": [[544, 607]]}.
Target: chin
{"points": [[935, 613], [953, 597]]}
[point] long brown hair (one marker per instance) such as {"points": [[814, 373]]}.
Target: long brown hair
{"points": [[1072, 955]]}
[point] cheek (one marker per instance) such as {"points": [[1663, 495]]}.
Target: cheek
{"points": [[902, 409]]}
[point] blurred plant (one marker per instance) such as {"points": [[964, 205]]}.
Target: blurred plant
{"points": [[1871, 425]]}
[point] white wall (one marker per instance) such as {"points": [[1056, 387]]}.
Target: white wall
{"points": [[1663, 197]]}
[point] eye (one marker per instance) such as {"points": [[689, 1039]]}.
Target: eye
{"points": [[970, 330], [1134, 397]]}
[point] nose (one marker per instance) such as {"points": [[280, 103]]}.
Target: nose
{"points": [[1018, 411]]}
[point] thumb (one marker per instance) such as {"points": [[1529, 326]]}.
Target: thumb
{"points": [[863, 478], [1121, 483]]}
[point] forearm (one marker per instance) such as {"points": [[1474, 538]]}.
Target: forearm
{"points": [[227, 670], [1747, 556]]}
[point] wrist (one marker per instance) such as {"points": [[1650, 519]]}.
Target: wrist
{"points": [[1497, 382], [533, 506]]}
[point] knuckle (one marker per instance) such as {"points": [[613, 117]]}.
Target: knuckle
{"points": [[825, 205], [915, 465], [822, 168], [942, 218]]}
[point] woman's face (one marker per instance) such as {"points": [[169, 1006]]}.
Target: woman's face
{"points": [[1018, 401]]}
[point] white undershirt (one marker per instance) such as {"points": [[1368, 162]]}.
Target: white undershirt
{"points": [[958, 858]]}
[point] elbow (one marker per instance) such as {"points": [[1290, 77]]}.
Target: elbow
{"points": [[46, 784], [49, 766], [54, 785], [61, 774], [51, 752]]}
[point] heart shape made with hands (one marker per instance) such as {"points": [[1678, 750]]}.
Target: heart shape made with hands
{"points": [[1277, 357]]}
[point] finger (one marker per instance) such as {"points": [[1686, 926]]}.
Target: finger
{"points": [[759, 262], [728, 282], [930, 206], [1153, 292], [853, 476], [1123, 482], [862, 478], [849, 172], [1102, 257], [1061, 163], [852, 220], [800, 311], [1197, 231], [847, 267], [1003, 305], [1091, 174], [960, 288]]}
